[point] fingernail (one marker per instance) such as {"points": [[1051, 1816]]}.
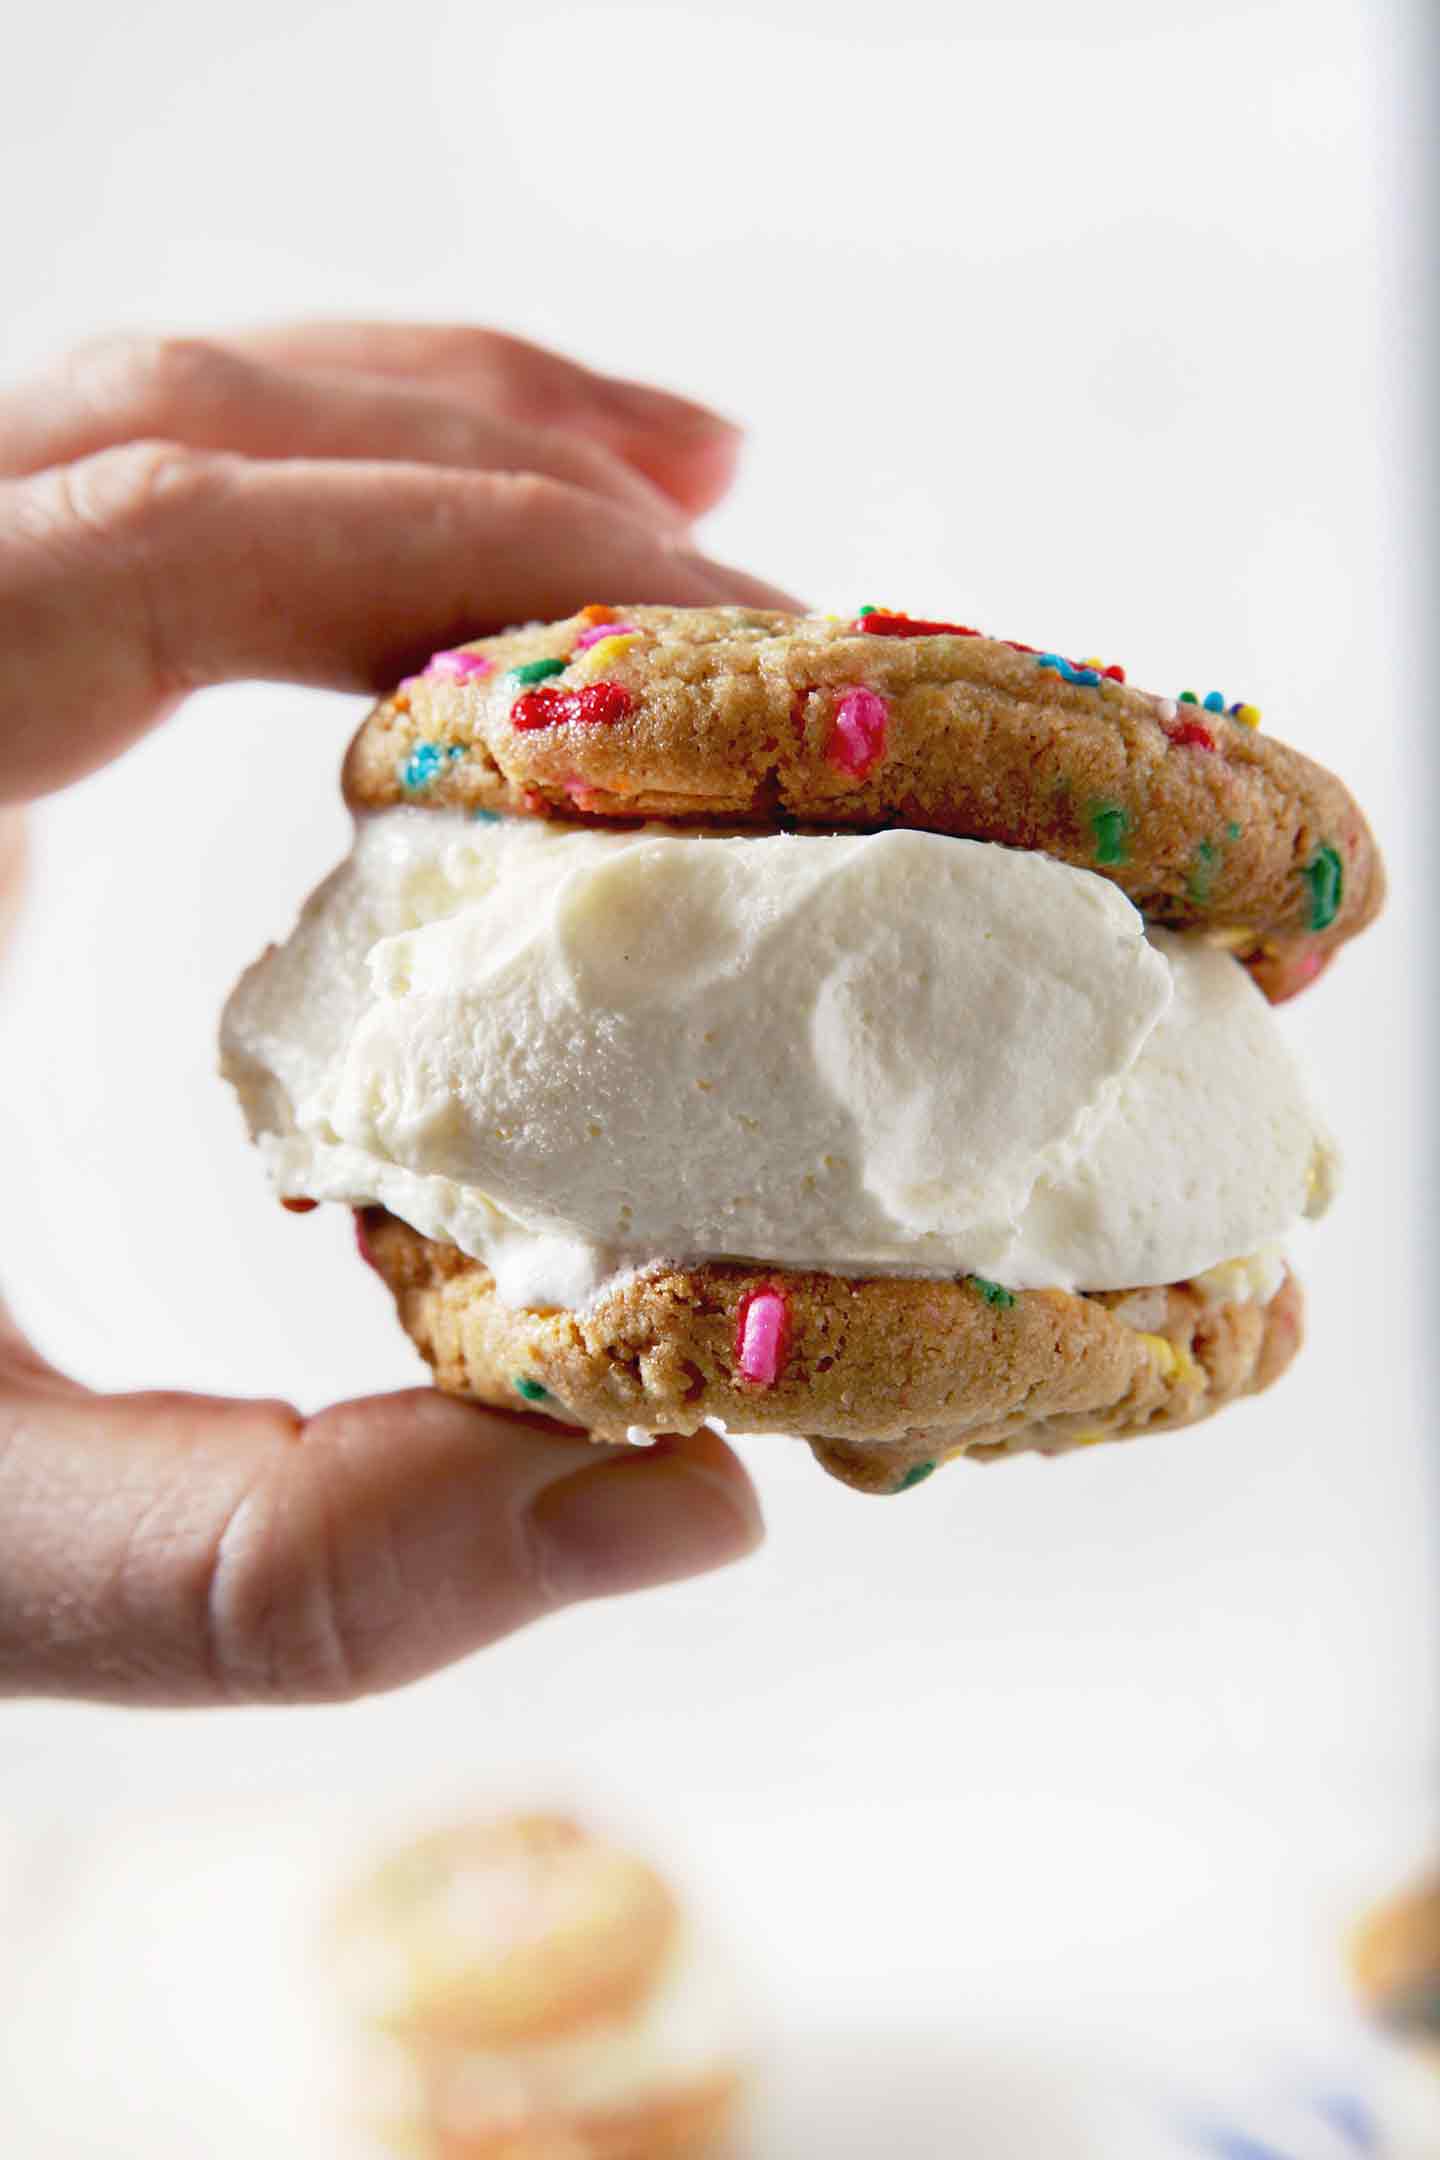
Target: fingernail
{"points": [[653, 1516]]}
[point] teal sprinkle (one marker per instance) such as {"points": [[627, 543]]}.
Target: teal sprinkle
{"points": [[484, 817], [994, 1293], [1198, 883], [1325, 875], [1232, 830], [1215, 702], [1110, 824], [1086, 677], [530, 1389], [425, 761], [915, 1475], [535, 671]]}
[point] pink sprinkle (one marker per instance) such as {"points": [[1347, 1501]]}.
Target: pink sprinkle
{"points": [[862, 720], [457, 666], [600, 630], [761, 1333]]}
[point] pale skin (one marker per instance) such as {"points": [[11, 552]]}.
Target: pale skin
{"points": [[326, 504]]}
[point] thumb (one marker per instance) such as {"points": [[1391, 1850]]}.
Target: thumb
{"points": [[176, 1549]]}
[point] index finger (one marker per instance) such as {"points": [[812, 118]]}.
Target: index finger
{"points": [[686, 448], [145, 572]]}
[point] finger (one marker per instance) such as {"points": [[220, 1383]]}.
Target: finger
{"points": [[142, 573], [196, 392], [171, 1549], [686, 448]]}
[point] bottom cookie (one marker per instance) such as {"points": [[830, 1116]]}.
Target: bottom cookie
{"points": [[885, 1378]]}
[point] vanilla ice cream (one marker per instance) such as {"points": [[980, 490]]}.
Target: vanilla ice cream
{"points": [[574, 1052]]}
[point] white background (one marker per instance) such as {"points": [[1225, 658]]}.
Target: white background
{"points": [[1099, 327]]}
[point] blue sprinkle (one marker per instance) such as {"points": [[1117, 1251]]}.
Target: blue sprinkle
{"points": [[484, 817], [1215, 702], [1086, 677], [425, 761]]}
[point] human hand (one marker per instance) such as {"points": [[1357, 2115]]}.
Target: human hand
{"points": [[320, 504]]}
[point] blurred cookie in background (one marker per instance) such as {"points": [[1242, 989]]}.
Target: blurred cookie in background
{"points": [[1395, 1963], [522, 1989], [1395, 1958]]}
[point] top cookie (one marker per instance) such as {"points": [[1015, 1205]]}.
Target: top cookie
{"points": [[744, 717]]}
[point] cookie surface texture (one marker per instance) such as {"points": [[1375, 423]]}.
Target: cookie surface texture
{"points": [[750, 719], [885, 1378]]}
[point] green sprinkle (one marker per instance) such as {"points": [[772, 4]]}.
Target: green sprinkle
{"points": [[1197, 885], [530, 1389], [1110, 824], [535, 671], [866, 611], [994, 1293], [1325, 875], [1232, 830], [1188, 697], [915, 1475]]}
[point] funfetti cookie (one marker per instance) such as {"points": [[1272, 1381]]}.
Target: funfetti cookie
{"points": [[826, 1027], [523, 1989]]}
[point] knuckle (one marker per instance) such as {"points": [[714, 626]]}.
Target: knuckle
{"points": [[276, 1623], [141, 377], [121, 493], [532, 499]]}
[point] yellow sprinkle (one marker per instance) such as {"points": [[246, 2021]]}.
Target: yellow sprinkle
{"points": [[607, 650], [1090, 1437], [1247, 715], [1162, 1351], [1186, 1368], [1092, 662]]}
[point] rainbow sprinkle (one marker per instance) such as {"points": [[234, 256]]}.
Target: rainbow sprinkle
{"points": [[1325, 875], [606, 649], [1110, 824], [994, 1293], [857, 743], [1189, 734], [915, 1475], [881, 622], [1086, 677], [601, 630], [598, 704], [534, 671], [425, 762], [456, 666], [762, 1330]]}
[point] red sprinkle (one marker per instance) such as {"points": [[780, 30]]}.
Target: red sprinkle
{"points": [[598, 704], [762, 1336], [363, 1219], [1113, 674], [907, 626], [1190, 734], [857, 741], [296, 1205]]}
